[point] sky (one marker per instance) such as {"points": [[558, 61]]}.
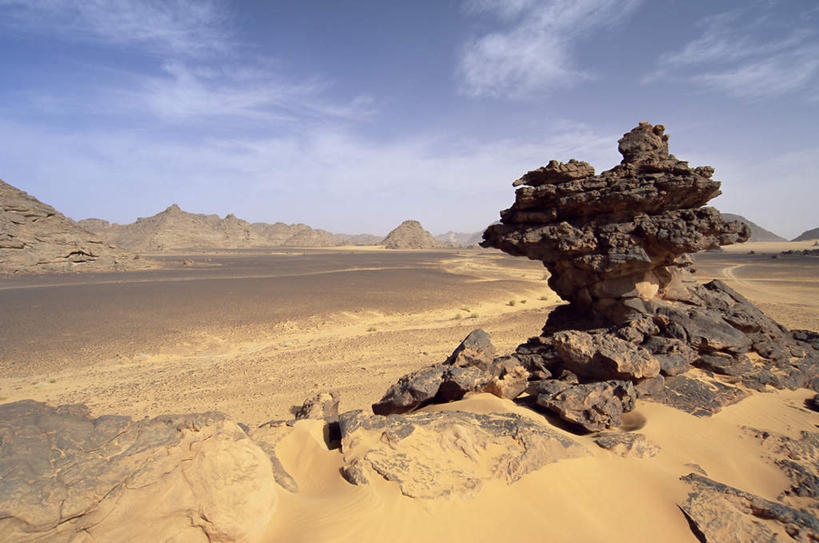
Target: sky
{"points": [[353, 116]]}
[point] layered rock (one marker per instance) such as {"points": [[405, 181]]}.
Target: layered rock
{"points": [[36, 238], [637, 324], [410, 235]]}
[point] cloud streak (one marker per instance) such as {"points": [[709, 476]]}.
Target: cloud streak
{"points": [[740, 53], [532, 50]]}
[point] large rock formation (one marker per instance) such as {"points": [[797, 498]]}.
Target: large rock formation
{"points": [[410, 235], [69, 477], [616, 247], [36, 238], [460, 239]]}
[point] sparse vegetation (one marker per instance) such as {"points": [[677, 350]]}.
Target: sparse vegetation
{"points": [[457, 316], [511, 303], [543, 298], [52, 380], [523, 301], [371, 329], [474, 315]]}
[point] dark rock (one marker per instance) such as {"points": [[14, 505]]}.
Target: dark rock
{"points": [[472, 367], [650, 388], [701, 397], [447, 453], [591, 406], [604, 356], [719, 513]]}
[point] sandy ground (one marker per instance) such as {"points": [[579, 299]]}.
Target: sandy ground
{"points": [[252, 334]]}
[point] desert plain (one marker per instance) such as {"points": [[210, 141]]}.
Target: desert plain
{"points": [[253, 333]]}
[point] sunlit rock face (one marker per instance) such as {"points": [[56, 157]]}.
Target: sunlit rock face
{"points": [[618, 238]]}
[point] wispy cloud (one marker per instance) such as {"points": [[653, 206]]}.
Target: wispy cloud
{"points": [[193, 70], [532, 50], [759, 51], [176, 26]]}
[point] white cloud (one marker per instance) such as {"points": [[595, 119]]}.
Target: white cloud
{"points": [[748, 53], [532, 51], [177, 26]]}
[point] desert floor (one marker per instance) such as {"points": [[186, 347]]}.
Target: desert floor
{"points": [[253, 333]]}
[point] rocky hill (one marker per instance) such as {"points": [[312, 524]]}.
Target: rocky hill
{"points": [[410, 235], [757, 232], [36, 238], [807, 235], [174, 229]]}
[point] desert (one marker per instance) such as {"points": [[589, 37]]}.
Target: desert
{"points": [[646, 396], [471, 271]]}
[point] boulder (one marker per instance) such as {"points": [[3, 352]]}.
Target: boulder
{"points": [[591, 406], [604, 356], [68, 476], [627, 444]]}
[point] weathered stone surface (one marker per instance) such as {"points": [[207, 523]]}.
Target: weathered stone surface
{"points": [[616, 246], [267, 437], [797, 458], [67, 476], [447, 453], [472, 367], [36, 238], [323, 405], [627, 444], [604, 356], [591, 406], [700, 396], [719, 513]]}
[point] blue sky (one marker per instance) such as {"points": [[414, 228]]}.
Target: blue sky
{"points": [[353, 116]]}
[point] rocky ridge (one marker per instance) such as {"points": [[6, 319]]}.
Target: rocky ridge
{"points": [[175, 229], [808, 235], [36, 238]]}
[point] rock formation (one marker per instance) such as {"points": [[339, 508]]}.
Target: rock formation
{"points": [[410, 235], [36, 238], [69, 477], [461, 239], [616, 246], [757, 232]]}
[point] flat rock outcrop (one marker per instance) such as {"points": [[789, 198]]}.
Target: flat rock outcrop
{"points": [[637, 324], [36, 238], [68, 477], [447, 453], [719, 513], [410, 235]]}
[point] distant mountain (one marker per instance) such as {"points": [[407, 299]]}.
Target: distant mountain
{"points": [[36, 238], [808, 235], [175, 229], [410, 235], [461, 239], [757, 232]]}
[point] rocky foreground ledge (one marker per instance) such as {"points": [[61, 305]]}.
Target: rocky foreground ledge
{"points": [[636, 328]]}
